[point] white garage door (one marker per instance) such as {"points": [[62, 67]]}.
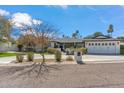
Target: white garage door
{"points": [[102, 49]]}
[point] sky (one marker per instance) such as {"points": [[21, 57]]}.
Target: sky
{"points": [[85, 18]]}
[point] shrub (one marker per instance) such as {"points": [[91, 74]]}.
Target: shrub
{"points": [[70, 51], [30, 56], [51, 50], [69, 58], [58, 55], [19, 57], [83, 50]]}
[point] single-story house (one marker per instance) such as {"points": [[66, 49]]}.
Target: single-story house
{"points": [[64, 43], [97, 45]]}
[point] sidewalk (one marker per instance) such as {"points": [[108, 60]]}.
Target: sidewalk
{"points": [[86, 58]]}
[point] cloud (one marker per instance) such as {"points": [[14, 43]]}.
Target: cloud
{"points": [[35, 21], [122, 6], [29, 32], [23, 18], [91, 8], [64, 7], [4, 12], [103, 20]]}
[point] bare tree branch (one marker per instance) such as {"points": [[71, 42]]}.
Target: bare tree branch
{"points": [[38, 35]]}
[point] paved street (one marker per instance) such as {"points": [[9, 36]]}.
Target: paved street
{"points": [[91, 74], [86, 58], [73, 75]]}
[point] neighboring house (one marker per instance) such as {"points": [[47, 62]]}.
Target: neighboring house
{"points": [[4, 46], [97, 45], [7, 46]]}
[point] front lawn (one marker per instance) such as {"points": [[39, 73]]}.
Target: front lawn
{"points": [[122, 49], [7, 54]]}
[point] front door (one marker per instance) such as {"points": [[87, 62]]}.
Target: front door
{"points": [[61, 47]]}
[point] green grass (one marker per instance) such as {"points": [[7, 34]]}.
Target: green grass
{"points": [[122, 49], [7, 54]]}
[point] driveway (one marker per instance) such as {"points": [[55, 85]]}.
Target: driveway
{"points": [[86, 58], [103, 58]]}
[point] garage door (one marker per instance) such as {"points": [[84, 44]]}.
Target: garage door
{"points": [[105, 49]]}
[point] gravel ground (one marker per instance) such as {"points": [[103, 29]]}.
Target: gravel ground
{"points": [[67, 76]]}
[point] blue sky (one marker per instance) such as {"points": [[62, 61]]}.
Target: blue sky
{"points": [[86, 19]]}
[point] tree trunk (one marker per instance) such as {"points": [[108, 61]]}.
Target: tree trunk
{"points": [[111, 34], [43, 58]]}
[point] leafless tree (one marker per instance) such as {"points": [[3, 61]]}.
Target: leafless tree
{"points": [[39, 35]]}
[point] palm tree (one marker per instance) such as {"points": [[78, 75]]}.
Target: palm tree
{"points": [[110, 30], [75, 34]]}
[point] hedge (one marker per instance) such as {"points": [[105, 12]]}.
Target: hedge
{"points": [[51, 50]]}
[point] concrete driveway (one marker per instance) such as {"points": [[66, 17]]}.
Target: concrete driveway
{"points": [[103, 58], [86, 58]]}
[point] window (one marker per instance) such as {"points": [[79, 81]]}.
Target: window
{"points": [[110, 44], [78, 54], [89, 44], [92, 44], [106, 44], [103, 44], [96, 44], [113, 44], [118, 43], [99, 44]]}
